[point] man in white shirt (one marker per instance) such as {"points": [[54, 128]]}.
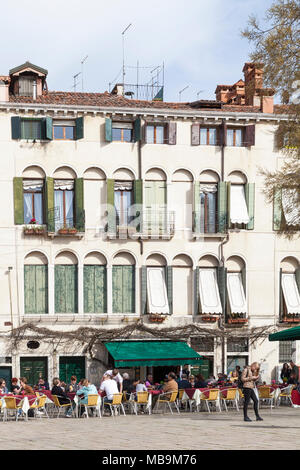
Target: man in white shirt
{"points": [[109, 386], [117, 377]]}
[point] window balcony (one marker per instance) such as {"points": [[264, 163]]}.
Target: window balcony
{"points": [[237, 319], [34, 229], [207, 228]]}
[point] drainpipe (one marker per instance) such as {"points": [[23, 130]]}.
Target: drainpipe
{"points": [[140, 177]]}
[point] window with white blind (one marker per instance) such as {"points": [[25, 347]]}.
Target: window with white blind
{"points": [[290, 293], [238, 205], [157, 296], [210, 301], [236, 294]]}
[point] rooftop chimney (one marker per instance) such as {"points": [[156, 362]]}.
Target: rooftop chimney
{"points": [[118, 89], [4, 89]]}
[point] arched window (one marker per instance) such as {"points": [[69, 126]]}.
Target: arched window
{"points": [[241, 201], [208, 286], [66, 283], [206, 203], [64, 203], [183, 285], [36, 283], [123, 283], [156, 286], [95, 197], [29, 207], [236, 288], [95, 283], [155, 197], [289, 306], [181, 198]]}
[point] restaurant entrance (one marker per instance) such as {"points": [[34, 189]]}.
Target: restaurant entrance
{"points": [[160, 372], [5, 373]]}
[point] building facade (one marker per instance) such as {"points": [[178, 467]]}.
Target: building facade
{"points": [[120, 212]]}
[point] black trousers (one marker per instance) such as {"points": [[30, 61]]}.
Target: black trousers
{"points": [[250, 394]]}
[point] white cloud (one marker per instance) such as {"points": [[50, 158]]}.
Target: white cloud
{"points": [[198, 40]]}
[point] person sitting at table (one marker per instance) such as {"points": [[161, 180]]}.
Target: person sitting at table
{"points": [[169, 386], [234, 377], [15, 387], [73, 385], [25, 388], [62, 397], [292, 380], [185, 371], [3, 388], [183, 383], [149, 382], [285, 372], [192, 381], [127, 384], [86, 390], [109, 386], [42, 385], [200, 381]]}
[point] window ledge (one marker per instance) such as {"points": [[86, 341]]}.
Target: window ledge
{"points": [[68, 235], [210, 235]]}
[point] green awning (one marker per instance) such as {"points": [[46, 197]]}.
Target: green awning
{"points": [[289, 334], [152, 353]]}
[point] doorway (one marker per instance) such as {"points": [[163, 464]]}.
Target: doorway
{"points": [[34, 368], [71, 365], [5, 373]]}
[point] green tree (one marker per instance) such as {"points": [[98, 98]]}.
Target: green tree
{"points": [[277, 46]]}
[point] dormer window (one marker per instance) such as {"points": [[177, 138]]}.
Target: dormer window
{"points": [[26, 85]]}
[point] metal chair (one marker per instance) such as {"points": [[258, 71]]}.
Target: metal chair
{"points": [[285, 394], [169, 398], [231, 397], [115, 405], [11, 405], [93, 403], [141, 401], [213, 397], [59, 406]]}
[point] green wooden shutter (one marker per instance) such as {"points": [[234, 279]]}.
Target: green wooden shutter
{"points": [[111, 213], [48, 128], [195, 134], [128, 289], [117, 300], [137, 135], [222, 207], [277, 209], [169, 276], [280, 295], [79, 205], [244, 279], [15, 127], [79, 128], [171, 132], [50, 212], [66, 289], [196, 291], [94, 287], [108, 129], [197, 207], [228, 204], [222, 280], [250, 199], [138, 201], [35, 289], [144, 290], [18, 200], [297, 276]]}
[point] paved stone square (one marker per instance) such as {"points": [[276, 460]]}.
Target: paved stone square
{"points": [[279, 430]]}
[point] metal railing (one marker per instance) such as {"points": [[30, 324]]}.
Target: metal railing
{"points": [[207, 225], [145, 223]]}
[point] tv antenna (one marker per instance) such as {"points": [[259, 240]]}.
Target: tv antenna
{"points": [[82, 63], [75, 80], [183, 89], [123, 48], [201, 91]]}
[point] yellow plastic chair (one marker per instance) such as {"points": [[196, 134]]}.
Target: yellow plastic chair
{"points": [[142, 400], [213, 397], [11, 405], [231, 397], [168, 398], [39, 406], [92, 403], [116, 404], [265, 396], [286, 394], [60, 407]]}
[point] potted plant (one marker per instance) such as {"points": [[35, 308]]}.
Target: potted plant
{"points": [[72, 230], [156, 317]]}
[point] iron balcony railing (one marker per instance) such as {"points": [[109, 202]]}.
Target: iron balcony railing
{"points": [[146, 223], [209, 224]]}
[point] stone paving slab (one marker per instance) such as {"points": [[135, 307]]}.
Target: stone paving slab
{"points": [[188, 431]]}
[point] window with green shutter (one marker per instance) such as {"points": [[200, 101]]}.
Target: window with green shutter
{"points": [[123, 289], [94, 287], [35, 289], [66, 289]]}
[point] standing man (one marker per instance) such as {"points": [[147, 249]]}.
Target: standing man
{"points": [[115, 375], [294, 370], [250, 375]]}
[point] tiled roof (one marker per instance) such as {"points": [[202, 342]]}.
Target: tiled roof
{"points": [[109, 100]]}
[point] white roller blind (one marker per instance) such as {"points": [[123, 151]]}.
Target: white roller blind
{"points": [[32, 184], [157, 291], [291, 206], [236, 294], [64, 184], [238, 206], [209, 291], [290, 293]]}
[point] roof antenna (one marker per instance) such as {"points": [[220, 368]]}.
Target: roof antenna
{"points": [[182, 91], [124, 54], [75, 82], [82, 63]]}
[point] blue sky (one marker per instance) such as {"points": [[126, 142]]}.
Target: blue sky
{"points": [[198, 40]]}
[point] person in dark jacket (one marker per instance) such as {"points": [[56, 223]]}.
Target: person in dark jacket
{"points": [[200, 381], [285, 372], [184, 383], [62, 397]]}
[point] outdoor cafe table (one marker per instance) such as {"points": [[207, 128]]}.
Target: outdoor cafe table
{"points": [[27, 400]]}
